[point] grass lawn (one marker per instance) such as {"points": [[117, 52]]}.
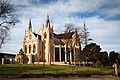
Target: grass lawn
{"points": [[51, 69]]}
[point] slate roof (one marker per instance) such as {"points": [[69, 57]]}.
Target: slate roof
{"points": [[64, 35]]}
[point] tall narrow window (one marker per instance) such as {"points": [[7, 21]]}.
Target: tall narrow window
{"points": [[45, 35], [34, 48], [50, 35], [29, 48], [25, 48]]}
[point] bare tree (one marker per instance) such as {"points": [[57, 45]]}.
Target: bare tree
{"points": [[70, 42], [69, 28], [7, 20], [82, 35]]}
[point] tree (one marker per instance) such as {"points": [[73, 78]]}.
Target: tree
{"points": [[70, 43], [113, 57], [84, 35], [103, 58], [119, 59], [21, 53], [21, 57], [91, 52], [7, 20]]}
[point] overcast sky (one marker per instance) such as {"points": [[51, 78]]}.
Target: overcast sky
{"points": [[102, 19]]}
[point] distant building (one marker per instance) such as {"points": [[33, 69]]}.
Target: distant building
{"points": [[48, 46], [8, 58]]}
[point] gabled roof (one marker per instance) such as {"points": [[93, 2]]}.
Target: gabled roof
{"points": [[64, 35], [35, 34], [39, 36]]}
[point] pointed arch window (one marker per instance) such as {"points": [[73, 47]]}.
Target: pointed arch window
{"points": [[25, 48], [45, 35], [50, 35], [34, 48], [29, 48]]}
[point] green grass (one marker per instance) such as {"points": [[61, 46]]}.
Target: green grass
{"points": [[51, 69]]}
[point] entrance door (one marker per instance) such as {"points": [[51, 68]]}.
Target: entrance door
{"points": [[62, 54], [57, 55]]}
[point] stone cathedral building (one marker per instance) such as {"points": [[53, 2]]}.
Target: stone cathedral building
{"points": [[46, 46]]}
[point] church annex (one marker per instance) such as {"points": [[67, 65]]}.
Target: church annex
{"points": [[46, 46]]}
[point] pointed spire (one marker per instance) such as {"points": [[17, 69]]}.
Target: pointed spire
{"points": [[25, 31], [47, 16], [84, 24], [47, 21], [30, 26]]}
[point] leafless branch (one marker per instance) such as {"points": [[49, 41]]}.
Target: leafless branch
{"points": [[7, 20]]}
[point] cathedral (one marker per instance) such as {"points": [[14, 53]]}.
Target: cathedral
{"points": [[46, 46]]}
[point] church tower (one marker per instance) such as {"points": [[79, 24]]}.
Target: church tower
{"points": [[47, 37], [32, 45], [27, 46]]}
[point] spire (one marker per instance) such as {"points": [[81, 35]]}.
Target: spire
{"points": [[84, 24], [30, 26], [47, 21]]}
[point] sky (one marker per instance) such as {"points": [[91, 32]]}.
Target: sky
{"points": [[102, 18]]}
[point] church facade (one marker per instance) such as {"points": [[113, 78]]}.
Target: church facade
{"points": [[46, 46]]}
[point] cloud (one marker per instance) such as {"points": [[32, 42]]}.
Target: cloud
{"points": [[110, 8], [103, 32], [110, 47], [99, 15]]}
